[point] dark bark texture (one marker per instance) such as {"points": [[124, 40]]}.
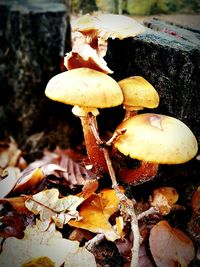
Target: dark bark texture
{"points": [[168, 56], [34, 35]]}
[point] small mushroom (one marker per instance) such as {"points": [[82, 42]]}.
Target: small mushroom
{"points": [[86, 89], [138, 94], [154, 139]]}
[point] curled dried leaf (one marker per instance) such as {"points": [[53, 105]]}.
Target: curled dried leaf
{"points": [[29, 179], [11, 176]]}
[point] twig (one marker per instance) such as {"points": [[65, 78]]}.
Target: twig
{"points": [[115, 135], [146, 213], [94, 242], [127, 206]]}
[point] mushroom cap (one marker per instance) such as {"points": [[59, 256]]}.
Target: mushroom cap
{"points": [[84, 87], [138, 92], [156, 138], [108, 26]]}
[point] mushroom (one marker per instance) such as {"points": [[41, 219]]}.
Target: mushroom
{"points": [[154, 139], [83, 55], [107, 26], [87, 49], [86, 89], [138, 94]]}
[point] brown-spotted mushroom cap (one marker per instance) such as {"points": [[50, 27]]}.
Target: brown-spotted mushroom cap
{"points": [[138, 93], [156, 138], [84, 87], [108, 26]]}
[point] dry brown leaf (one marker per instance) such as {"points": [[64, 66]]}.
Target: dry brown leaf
{"points": [[10, 155], [37, 244], [29, 179], [163, 199], [89, 188], [195, 200], [49, 206], [11, 175], [144, 260], [96, 211], [169, 246], [18, 204], [12, 224], [73, 172]]}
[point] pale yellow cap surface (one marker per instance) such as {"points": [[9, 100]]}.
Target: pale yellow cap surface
{"points": [[84, 87], [156, 138], [108, 26], [138, 92]]}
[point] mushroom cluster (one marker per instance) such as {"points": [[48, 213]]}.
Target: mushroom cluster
{"points": [[151, 138]]}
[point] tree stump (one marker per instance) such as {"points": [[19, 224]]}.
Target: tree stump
{"points": [[168, 56], [34, 35]]}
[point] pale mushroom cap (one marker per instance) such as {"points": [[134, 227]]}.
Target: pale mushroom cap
{"points": [[108, 26], [138, 92], [156, 138], [84, 87]]}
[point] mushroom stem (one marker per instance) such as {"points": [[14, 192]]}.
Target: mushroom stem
{"points": [[129, 113], [146, 171], [95, 154], [126, 205]]}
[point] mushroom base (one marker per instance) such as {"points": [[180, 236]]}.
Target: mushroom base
{"points": [[146, 171]]}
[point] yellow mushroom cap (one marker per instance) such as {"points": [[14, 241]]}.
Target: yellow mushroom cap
{"points": [[108, 26], [138, 92], [84, 87], [156, 138]]}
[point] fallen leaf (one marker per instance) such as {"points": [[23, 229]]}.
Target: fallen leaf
{"points": [[10, 155], [169, 246], [37, 244], [12, 224], [163, 198], [80, 234], [95, 212], [18, 204], [7, 184], [82, 258], [28, 180], [39, 262], [89, 188], [73, 172], [144, 260], [49, 206]]}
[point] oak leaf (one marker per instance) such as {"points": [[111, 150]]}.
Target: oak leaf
{"points": [[37, 244], [50, 207], [170, 247], [95, 212]]}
